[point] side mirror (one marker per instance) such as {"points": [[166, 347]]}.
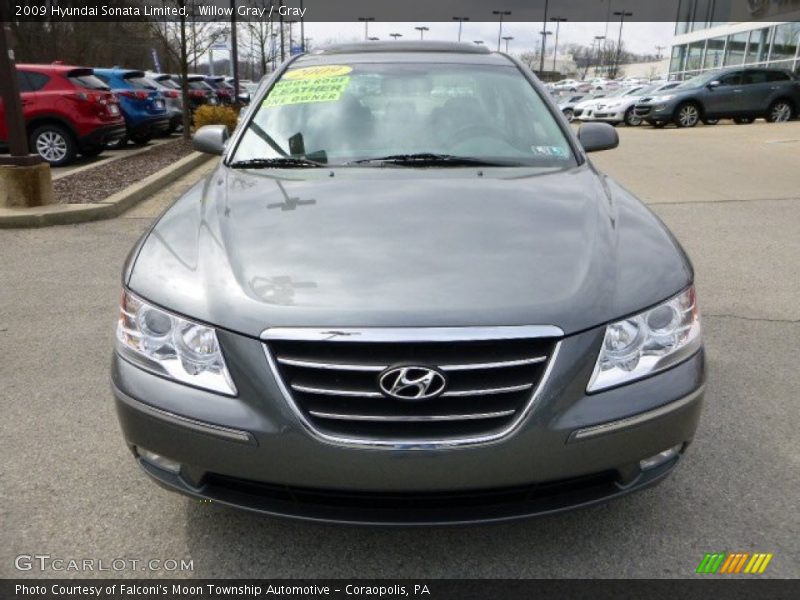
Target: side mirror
{"points": [[210, 139], [598, 136], [713, 84]]}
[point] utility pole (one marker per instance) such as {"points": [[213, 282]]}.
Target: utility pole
{"points": [[501, 14], [283, 56], [302, 29], [558, 22], [621, 14], [422, 31], [544, 38], [17, 138], [544, 35], [460, 23], [234, 52], [508, 38]]}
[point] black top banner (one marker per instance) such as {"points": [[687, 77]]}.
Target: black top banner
{"points": [[405, 10]]}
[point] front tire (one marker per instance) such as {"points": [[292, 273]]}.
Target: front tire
{"points": [[140, 139], [54, 144], [687, 115], [780, 112], [631, 120], [569, 114]]}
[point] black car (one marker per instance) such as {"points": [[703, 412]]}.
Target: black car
{"points": [[406, 295], [739, 94]]}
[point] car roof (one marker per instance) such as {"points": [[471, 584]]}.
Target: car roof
{"points": [[402, 52], [52, 67], [119, 71]]}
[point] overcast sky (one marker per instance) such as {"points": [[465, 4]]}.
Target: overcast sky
{"points": [[637, 37]]}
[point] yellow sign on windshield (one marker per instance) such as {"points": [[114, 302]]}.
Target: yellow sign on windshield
{"points": [[310, 84]]}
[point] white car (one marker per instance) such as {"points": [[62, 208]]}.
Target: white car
{"points": [[572, 85], [585, 111], [620, 108]]}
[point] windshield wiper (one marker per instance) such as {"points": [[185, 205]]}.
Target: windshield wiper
{"points": [[283, 162], [431, 159]]}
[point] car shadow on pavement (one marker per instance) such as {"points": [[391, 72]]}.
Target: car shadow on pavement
{"points": [[230, 543]]}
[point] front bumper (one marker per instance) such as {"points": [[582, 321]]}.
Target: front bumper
{"points": [[654, 112], [252, 452]]}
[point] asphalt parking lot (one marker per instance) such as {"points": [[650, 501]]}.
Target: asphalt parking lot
{"points": [[731, 194]]}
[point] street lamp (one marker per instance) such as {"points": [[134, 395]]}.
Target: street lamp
{"points": [[373, 39], [508, 38], [478, 42], [621, 14], [460, 23], [422, 31], [366, 21], [599, 39], [544, 35], [544, 38], [395, 35], [501, 13], [558, 21]]}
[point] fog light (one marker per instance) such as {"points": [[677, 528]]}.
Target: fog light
{"points": [[660, 458], [162, 462]]}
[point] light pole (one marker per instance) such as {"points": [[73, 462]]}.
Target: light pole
{"points": [[544, 38], [501, 14], [395, 35], [373, 39], [621, 14], [544, 35], [366, 21], [508, 38], [558, 22], [599, 39], [422, 31], [478, 42], [460, 23]]}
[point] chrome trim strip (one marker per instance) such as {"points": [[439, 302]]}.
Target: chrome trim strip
{"points": [[311, 364], [411, 419], [494, 365], [226, 433], [326, 392], [400, 444], [612, 426], [411, 334], [488, 391]]}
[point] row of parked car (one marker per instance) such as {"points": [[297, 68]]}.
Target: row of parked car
{"points": [[70, 110], [598, 84], [743, 95]]}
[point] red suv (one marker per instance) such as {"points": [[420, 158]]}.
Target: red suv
{"points": [[67, 111]]}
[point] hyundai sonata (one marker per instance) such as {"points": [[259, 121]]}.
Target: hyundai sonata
{"points": [[405, 295]]}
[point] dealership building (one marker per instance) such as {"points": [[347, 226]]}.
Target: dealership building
{"points": [[703, 41]]}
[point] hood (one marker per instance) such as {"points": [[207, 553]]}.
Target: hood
{"points": [[247, 250]]}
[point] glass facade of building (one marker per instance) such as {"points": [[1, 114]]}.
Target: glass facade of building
{"points": [[775, 45]]}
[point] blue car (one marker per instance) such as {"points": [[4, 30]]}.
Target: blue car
{"points": [[143, 107]]}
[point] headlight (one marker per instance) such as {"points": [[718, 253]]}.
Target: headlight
{"points": [[163, 343], [648, 342]]}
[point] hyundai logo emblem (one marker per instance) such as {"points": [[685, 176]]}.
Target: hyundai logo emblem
{"points": [[412, 383]]}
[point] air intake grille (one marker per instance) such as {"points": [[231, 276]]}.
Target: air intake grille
{"points": [[336, 385]]}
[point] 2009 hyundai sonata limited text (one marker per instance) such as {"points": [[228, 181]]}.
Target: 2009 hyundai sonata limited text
{"points": [[405, 295]]}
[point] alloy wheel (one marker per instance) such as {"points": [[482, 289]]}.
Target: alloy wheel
{"points": [[780, 113], [688, 115], [631, 120], [51, 146]]}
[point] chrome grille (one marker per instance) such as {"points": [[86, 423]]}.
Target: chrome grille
{"points": [[333, 383]]}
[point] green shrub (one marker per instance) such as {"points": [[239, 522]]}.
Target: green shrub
{"points": [[215, 115]]}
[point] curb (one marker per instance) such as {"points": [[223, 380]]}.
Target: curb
{"points": [[113, 206]]}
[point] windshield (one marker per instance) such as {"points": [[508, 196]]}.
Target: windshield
{"points": [[696, 81], [339, 114], [90, 82]]}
